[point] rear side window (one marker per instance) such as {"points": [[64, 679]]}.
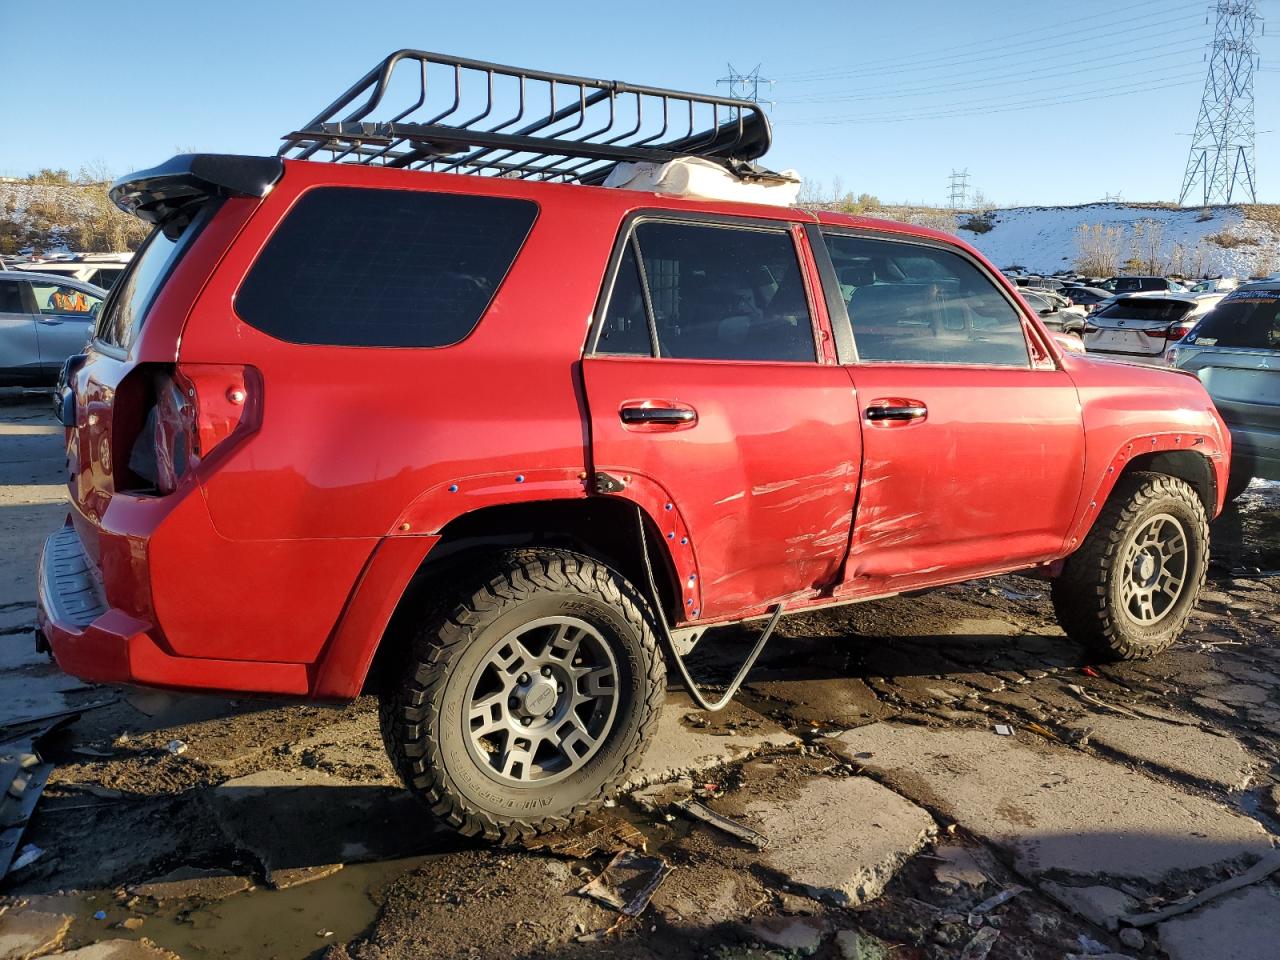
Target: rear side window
{"points": [[383, 268], [1163, 311], [1250, 320], [715, 292]]}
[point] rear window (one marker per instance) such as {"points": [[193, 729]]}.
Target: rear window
{"points": [[1242, 320], [126, 308], [383, 268], [1163, 311]]}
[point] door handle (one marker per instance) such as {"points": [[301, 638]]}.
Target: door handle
{"points": [[896, 411], [50, 321], [670, 416]]}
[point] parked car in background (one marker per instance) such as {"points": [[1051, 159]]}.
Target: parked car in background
{"points": [[1053, 312], [1220, 285], [1235, 351], [43, 320], [1139, 328], [1143, 284], [1088, 297], [100, 269]]}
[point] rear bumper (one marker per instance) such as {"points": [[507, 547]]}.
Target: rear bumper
{"points": [[1256, 449], [91, 640]]}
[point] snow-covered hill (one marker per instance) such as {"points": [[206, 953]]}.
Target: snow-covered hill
{"points": [[1231, 240]]}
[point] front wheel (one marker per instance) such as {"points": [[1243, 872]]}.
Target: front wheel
{"points": [[526, 695], [1127, 592]]}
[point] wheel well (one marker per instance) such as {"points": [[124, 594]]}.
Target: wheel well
{"points": [[601, 527], [1195, 468]]}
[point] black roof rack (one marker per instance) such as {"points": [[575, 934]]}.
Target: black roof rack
{"points": [[450, 114]]}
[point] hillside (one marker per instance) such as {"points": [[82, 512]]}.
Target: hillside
{"points": [[38, 216], [1230, 240]]}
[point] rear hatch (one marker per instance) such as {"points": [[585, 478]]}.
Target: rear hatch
{"points": [[130, 410], [1138, 326], [1235, 351]]}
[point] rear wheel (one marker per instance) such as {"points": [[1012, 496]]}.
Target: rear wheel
{"points": [[526, 696], [1127, 592]]}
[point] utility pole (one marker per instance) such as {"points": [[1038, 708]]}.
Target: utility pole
{"points": [[1220, 164], [746, 86], [959, 192]]}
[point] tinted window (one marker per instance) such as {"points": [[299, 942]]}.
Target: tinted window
{"points": [[722, 293], [918, 304], [131, 299], [1249, 319], [11, 297], [57, 300], [383, 268], [1164, 311], [105, 278], [626, 324]]}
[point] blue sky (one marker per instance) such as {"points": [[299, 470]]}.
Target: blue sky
{"points": [[1042, 102]]}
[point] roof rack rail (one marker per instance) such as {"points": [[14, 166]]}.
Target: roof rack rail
{"points": [[468, 116]]}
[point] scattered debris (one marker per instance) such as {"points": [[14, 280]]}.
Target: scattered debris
{"points": [[1043, 731], [1083, 694], [1253, 573], [1259, 871], [1004, 730], [981, 944], [288, 877], [100, 915], [23, 776], [986, 906], [1133, 939], [628, 882], [700, 811], [176, 747], [28, 855], [593, 835], [1090, 672]]}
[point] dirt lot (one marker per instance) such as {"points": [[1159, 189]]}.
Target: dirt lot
{"points": [[869, 748]]}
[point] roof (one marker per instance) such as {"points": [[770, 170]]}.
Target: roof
{"points": [[30, 275]]}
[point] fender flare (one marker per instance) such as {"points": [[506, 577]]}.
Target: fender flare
{"points": [[340, 671], [1089, 507]]}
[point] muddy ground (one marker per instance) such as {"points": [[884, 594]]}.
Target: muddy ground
{"points": [[869, 749]]}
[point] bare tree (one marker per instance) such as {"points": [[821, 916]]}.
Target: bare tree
{"points": [[1098, 249]]}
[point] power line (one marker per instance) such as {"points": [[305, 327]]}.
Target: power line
{"points": [[999, 80], [958, 53], [1222, 147], [989, 109], [959, 192]]}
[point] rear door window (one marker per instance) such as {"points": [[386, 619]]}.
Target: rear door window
{"points": [[58, 300], [926, 305], [383, 268], [1249, 320], [714, 292]]}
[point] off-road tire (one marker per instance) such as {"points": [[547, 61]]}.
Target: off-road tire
{"points": [[1086, 597], [423, 696]]}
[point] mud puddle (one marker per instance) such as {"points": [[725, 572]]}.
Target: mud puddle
{"points": [[292, 924]]}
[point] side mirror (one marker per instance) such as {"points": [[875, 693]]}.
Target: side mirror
{"points": [[1047, 312], [1068, 343]]}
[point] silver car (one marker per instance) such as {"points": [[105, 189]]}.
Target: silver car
{"points": [[43, 320], [1235, 351], [1138, 327]]}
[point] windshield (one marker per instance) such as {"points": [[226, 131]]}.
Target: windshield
{"points": [[130, 299], [1249, 320], [1162, 311]]}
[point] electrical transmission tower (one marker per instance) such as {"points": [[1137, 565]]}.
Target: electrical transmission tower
{"points": [[746, 86], [959, 193], [1221, 160]]}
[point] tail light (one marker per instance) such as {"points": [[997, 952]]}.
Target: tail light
{"points": [[1177, 331], [196, 408]]}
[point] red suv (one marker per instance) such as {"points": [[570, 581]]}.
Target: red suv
{"points": [[484, 441]]}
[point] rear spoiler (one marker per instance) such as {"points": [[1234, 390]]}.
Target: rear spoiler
{"points": [[156, 194]]}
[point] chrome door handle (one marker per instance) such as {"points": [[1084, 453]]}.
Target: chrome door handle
{"points": [[667, 415], [897, 413]]}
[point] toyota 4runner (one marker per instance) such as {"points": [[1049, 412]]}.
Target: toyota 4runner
{"points": [[500, 446]]}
